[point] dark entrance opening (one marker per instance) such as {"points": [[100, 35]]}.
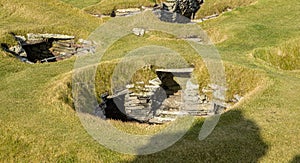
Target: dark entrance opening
{"points": [[114, 111], [39, 50]]}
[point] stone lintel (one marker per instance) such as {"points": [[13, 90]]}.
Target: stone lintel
{"points": [[181, 72]]}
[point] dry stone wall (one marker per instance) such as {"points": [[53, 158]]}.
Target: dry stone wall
{"points": [[49, 47], [139, 101], [163, 99]]}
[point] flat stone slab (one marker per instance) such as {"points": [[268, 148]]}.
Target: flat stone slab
{"points": [[119, 93], [32, 36], [182, 72], [179, 70]]}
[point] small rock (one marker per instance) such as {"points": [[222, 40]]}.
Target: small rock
{"points": [[132, 97], [206, 90], [237, 97], [85, 42], [151, 87], [140, 83], [234, 100], [155, 81], [20, 38], [202, 97], [138, 31], [130, 86]]}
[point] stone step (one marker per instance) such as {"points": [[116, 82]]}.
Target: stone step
{"points": [[161, 120], [63, 49], [177, 113], [61, 44], [134, 108], [169, 4], [32, 36], [171, 1]]}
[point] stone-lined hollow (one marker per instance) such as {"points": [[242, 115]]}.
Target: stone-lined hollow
{"points": [[169, 95], [48, 47]]}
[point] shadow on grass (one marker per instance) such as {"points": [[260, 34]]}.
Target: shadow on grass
{"points": [[235, 139], [296, 159]]}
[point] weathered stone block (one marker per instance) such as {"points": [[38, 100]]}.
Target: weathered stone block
{"points": [[134, 107], [138, 31]]}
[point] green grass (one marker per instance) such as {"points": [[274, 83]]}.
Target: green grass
{"points": [[37, 126], [211, 7], [106, 6], [81, 3], [286, 56]]}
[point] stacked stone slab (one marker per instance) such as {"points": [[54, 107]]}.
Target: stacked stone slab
{"points": [[163, 101], [179, 11], [138, 101], [170, 95], [49, 47], [193, 103], [184, 100], [127, 12], [169, 4], [63, 47]]}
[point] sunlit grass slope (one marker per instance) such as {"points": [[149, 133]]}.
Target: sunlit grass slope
{"points": [[211, 7], [81, 3], [37, 126], [285, 56], [106, 6]]}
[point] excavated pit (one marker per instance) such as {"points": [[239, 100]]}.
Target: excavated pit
{"points": [[48, 47], [169, 95], [37, 51]]}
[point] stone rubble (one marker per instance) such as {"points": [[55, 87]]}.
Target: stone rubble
{"points": [[236, 98]]}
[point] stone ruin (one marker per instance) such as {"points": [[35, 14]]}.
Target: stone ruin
{"points": [[166, 97], [175, 11], [48, 47], [179, 11], [187, 8]]}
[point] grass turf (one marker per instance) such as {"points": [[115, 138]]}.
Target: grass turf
{"points": [[265, 127]]}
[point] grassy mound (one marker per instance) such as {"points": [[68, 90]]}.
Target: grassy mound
{"points": [[286, 56], [51, 16]]}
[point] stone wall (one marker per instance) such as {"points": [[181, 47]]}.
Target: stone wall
{"points": [[170, 95], [49, 47], [138, 102], [179, 11]]}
